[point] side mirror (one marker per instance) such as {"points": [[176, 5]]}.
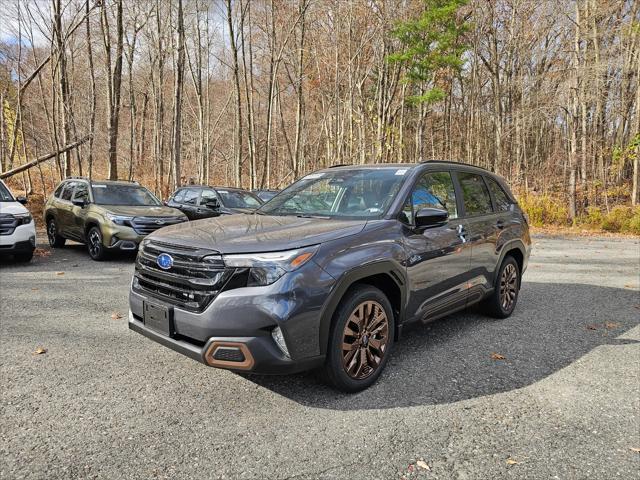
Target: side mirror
{"points": [[431, 217], [21, 199], [212, 204], [79, 203]]}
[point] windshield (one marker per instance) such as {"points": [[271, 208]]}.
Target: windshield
{"points": [[5, 194], [123, 195], [238, 199], [359, 193]]}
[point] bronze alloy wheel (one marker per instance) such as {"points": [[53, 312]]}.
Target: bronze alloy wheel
{"points": [[52, 233], [508, 287], [365, 339], [95, 243]]}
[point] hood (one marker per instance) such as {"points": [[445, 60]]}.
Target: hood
{"points": [[237, 210], [256, 233], [142, 211], [14, 208]]}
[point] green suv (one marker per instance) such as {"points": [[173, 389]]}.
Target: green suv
{"points": [[105, 215]]}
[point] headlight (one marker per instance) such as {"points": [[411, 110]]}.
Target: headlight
{"points": [[24, 219], [119, 219], [266, 268]]}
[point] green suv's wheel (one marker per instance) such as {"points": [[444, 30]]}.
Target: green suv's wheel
{"points": [[94, 244], [503, 300], [55, 240], [360, 340]]}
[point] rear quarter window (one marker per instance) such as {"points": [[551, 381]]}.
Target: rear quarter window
{"points": [[500, 198], [475, 194]]}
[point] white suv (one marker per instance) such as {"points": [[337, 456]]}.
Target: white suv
{"points": [[17, 229]]}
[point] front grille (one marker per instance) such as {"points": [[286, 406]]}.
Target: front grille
{"points": [[147, 225], [8, 223], [191, 283]]}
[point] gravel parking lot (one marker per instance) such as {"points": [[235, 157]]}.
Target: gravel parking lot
{"points": [[104, 402]]}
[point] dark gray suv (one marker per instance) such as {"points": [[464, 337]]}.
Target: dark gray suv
{"points": [[329, 272]]}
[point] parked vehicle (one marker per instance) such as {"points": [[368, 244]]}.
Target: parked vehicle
{"points": [[329, 272], [17, 228], [198, 201], [266, 195], [105, 215]]}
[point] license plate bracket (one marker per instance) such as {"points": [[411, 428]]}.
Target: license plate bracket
{"points": [[158, 317]]}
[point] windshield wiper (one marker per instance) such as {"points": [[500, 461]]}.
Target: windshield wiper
{"points": [[306, 215]]}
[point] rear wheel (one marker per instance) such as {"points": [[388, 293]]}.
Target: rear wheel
{"points": [[55, 240], [95, 246], [360, 339], [502, 301]]}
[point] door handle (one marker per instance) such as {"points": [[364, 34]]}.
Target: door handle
{"points": [[462, 232]]}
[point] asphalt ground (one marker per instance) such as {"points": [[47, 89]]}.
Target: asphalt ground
{"points": [[552, 392]]}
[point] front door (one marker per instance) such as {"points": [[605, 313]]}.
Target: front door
{"points": [[437, 258]]}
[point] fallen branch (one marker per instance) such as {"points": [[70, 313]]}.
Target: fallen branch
{"points": [[44, 158]]}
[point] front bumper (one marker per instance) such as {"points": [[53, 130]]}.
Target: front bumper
{"points": [[22, 240], [116, 237], [248, 316], [263, 356]]}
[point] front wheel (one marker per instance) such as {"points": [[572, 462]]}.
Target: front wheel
{"points": [[55, 240], [503, 300], [94, 244], [360, 340]]}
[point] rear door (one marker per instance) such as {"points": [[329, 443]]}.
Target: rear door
{"points": [[481, 231], [64, 209], [437, 258]]}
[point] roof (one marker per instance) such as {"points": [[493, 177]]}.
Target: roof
{"points": [[403, 165]]}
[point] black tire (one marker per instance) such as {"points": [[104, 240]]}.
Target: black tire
{"points": [[23, 257], [95, 247], [504, 298], [55, 240], [371, 342]]}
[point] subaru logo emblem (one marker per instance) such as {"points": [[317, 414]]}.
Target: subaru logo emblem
{"points": [[159, 222], [164, 261]]}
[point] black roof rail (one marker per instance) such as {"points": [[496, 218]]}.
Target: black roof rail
{"points": [[76, 177], [451, 162], [340, 165]]}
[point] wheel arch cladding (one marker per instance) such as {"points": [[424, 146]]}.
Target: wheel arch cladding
{"points": [[517, 255], [385, 276]]}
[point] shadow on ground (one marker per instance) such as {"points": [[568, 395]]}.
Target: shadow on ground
{"points": [[450, 360], [71, 255]]}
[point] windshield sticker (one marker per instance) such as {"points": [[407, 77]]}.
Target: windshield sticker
{"points": [[402, 171], [223, 191], [312, 176], [98, 186]]}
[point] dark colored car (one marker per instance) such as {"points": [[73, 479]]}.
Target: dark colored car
{"points": [[266, 195], [203, 202], [106, 215], [329, 272]]}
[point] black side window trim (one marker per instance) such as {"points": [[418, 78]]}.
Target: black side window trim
{"points": [[494, 203]]}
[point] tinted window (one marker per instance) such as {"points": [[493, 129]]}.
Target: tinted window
{"points": [[475, 194], [433, 190], [191, 196], [208, 196], [68, 191], [179, 196], [239, 199], [114, 194], [82, 192], [500, 198], [58, 191]]}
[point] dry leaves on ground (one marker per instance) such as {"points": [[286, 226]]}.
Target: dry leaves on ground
{"points": [[116, 316], [593, 326], [41, 252], [611, 325], [511, 461], [40, 351], [634, 449], [423, 465], [59, 273], [497, 356]]}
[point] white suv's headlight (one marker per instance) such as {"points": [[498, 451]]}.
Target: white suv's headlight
{"points": [[266, 268], [23, 218]]}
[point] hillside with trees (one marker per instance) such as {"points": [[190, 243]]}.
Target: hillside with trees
{"points": [[257, 93]]}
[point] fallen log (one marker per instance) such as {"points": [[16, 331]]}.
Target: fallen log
{"points": [[44, 158]]}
